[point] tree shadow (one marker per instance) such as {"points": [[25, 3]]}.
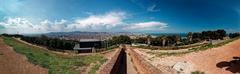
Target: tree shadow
{"points": [[232, 66]]}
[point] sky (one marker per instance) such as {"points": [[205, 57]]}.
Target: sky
{"points": [[148, 16]]}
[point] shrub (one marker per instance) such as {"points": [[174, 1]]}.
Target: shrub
{"points": [[198, 72]]}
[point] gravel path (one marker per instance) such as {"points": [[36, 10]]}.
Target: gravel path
{"points": [[14, 63]]}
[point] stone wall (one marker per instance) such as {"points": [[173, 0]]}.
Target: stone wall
{"points": [[112, 65], [142, 66]]}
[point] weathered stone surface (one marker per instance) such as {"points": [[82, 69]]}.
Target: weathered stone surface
{"points": [[182, 67], [143, 67]]}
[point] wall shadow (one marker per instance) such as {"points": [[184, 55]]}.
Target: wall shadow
{"points": [[232, 66], [120, 67], [123, 64]]}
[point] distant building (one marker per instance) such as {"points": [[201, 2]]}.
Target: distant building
{"points": [[88, 45], [138, 44], [226, 38]]}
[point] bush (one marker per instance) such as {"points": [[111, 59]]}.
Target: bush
{"points": [[198, 72], [122, 39], [233, 35], [50, 42]]}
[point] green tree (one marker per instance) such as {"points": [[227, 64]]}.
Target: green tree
{"points": [[163, 39], [149, 40], [177, 39], [122, 39], [189, 36]]}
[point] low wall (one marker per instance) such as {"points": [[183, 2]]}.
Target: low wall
{"points": [[142, 66], [112, 66]]}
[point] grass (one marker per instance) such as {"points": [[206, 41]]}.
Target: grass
{"points": [[94, 69], [197, 72], [201, 48], [96, 66], [57, 64], [168, 47], [207, 46], [112, 47]]}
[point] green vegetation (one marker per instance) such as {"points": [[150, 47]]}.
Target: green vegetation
{"points": [[207, 46], [57, 64], [50, 42], [196, 49], [160, 54], [233, 35], [57, 44], [96, 66], [203, 47], [168, 47], [94, 69], [206, 35], [176, 40], [165, 40], [122, 39], [198, 72], [112, 47]]}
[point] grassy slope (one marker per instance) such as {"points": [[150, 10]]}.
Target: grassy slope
{"points": [[201, 48], [57, 64]]}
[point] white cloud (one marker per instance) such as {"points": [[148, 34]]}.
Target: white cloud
{"points": [[91, 23], [22, 25], [55, 26], [99, 22], [17, 25], [112, 21], [153, 8], [147, 26]]}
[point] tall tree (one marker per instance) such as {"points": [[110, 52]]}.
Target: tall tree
{"points": [[149, 40], [163, 39], [222, 33], [177, 39], [122, 39], [189, 36]]}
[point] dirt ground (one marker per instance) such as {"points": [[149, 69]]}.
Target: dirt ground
{"points": [[130, 66], [220, 60], [14, 63]]}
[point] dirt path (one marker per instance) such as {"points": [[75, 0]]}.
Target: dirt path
{"points": [[211, 61], [14, 63], [130, 66]]}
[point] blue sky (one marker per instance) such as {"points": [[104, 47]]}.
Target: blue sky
{"points": [[158, 16]]}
